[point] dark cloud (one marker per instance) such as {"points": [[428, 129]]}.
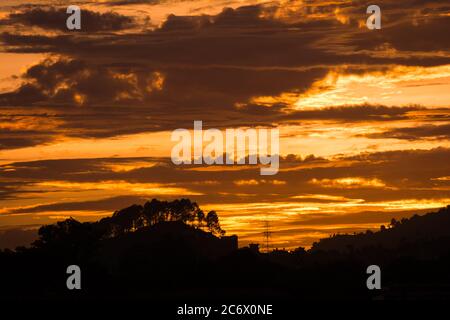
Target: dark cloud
{"points": [[249, 36], [19, 139], [114, 95], [10, 189], [108, 204], [415, 133], [411, 36], [356, 113], [59, 81], [55, 19], [62, 81], [207, 65], [204, 66]]}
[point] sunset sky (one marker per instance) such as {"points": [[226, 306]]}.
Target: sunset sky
{"points": [[364, 115]]}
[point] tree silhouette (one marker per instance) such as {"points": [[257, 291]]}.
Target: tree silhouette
{"points": [[132, 219], [212, 222]]}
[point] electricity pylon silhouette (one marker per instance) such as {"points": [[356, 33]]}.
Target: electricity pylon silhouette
{"points": [[266, 235]]}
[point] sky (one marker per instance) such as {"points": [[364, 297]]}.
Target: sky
{"points": [[364, 115]]}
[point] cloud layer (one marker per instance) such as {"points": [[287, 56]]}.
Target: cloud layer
{"points": [[372, 105]]}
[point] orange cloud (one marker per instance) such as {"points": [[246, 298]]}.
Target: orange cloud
{"points": [[349, 183]]}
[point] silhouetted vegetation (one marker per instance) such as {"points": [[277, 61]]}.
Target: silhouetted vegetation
{"points": [[415, 229], [173, 250]]}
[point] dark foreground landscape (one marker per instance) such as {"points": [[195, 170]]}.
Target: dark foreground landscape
{"points": [[173, 250]]}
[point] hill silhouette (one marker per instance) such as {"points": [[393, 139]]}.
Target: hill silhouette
{"points": [[430, 227], [174, 250]]}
